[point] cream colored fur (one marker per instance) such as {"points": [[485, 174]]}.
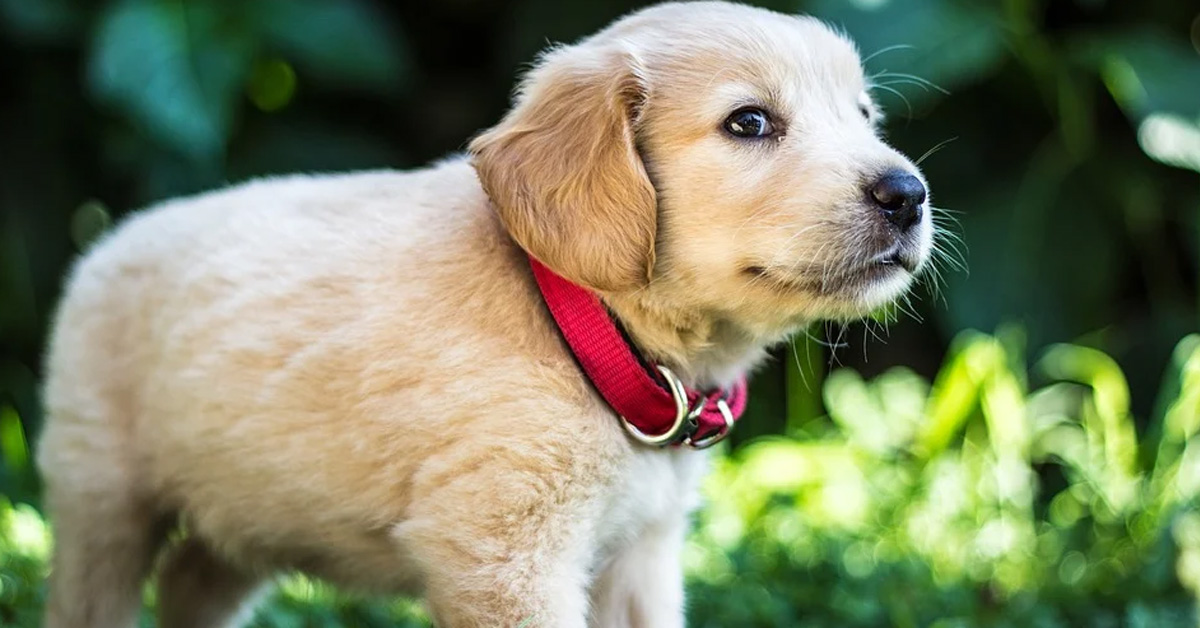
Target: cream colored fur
{"points": [[354, 375]]}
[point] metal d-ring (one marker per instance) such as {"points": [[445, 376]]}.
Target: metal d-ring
{"points": [[679, 394], [709, 441]]}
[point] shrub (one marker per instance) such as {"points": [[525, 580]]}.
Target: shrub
{"points": [[974, 502]]}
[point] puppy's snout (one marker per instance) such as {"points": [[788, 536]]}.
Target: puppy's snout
{"points": [[899, 197]]}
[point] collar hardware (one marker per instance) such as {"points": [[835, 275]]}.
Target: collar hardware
{"points": [[678, 431], [654, 406]]}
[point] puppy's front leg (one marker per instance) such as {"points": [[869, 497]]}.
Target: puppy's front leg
{"points": [[642, 587], [502, 581], [521, 595], [502, 546]]}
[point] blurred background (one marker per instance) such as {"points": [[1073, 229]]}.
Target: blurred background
{"points": [[1018, 448]]}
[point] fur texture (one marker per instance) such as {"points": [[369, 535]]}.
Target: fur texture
{"points": [[354, 375]]}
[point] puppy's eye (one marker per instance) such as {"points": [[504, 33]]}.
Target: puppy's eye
{"points": [[865, 111], [749, 122]]}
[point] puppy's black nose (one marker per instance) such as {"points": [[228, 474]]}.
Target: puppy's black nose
{"points": [[899, 196]]}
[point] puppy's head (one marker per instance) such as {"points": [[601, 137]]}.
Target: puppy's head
{"points": [[711, 156]]}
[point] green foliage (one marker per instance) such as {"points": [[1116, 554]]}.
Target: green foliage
{"points": [[1065, 134], [973, 502], [24, 548], [178, 68], [958, 42]]}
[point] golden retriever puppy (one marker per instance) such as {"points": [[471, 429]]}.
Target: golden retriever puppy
{"points": [[356, 376]]}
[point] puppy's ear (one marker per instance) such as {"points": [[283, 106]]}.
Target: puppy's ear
{"points": [[564, 174]]}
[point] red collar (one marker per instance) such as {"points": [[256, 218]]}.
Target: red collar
{"points": [[653, 404]]}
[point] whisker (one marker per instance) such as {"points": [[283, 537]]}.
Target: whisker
{"points": [[885, 50], [948, 235], [940, 218], [952, 257], [907, 104], [905, 305], [824, 343], [913, 77], [903, 81], [837, 343], [933, 281], [936, 148], [953, 246], [799, 365]]}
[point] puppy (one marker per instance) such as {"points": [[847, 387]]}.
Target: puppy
{"points": [[356, 376]]}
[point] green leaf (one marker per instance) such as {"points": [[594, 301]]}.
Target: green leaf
{"points": [[1155, 79], [1146, 72], [947, 43], [14, 447], [1107, 422], [174, 69], [956, 390], [343, 43], [1182, 419]]}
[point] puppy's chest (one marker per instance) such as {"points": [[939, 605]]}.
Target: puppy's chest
{"points": [[657, 488]]}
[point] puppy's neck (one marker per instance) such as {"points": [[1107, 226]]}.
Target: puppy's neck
{"points": [[704, 350]]}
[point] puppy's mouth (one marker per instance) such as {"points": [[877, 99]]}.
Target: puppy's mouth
{"points": [[839, 280], [896, 257]]}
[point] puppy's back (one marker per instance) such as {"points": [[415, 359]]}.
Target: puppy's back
{"points": [[209, 332]]}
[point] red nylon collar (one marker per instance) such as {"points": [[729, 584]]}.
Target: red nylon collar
{"points": [[643, 397]]}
